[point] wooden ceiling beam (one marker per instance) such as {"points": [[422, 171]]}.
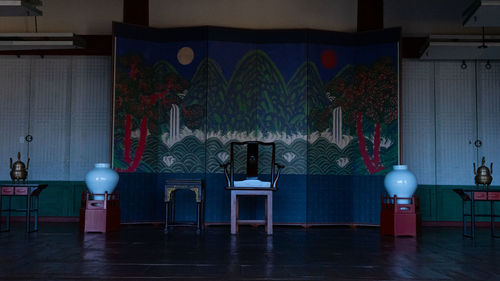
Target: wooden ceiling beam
{"points": [[370, 15], [136, 12]]}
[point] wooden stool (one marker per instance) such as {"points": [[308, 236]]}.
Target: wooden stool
{"points": [[171, 186], [100, 215], [268, 194]]}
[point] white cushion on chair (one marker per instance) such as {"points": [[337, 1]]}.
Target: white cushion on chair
{"points": [[252, 183]]}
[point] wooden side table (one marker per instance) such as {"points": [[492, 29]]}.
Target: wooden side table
{"points": [[31, 192], [173, 185], [475, 196]]}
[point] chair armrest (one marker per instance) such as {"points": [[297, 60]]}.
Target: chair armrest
{"points": [[277, 176], [279, 166], [226, 173]]}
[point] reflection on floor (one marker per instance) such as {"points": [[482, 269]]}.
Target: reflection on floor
{"points": [[60, 252]]}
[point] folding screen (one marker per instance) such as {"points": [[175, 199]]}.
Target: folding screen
{"points": [[329, 101]]}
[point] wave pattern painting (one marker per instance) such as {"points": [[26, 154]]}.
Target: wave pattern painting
{"points": [[185, 156]]}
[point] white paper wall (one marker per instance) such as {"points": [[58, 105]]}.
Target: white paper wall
{"points": [[14, 91], [64, 103], [453, 118], [489, 114], [50, 117], [455, 123], [90, 114], [418, 126]]}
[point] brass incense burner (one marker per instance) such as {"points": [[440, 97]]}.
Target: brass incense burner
{"points": [[483, 174], [18, 171]]}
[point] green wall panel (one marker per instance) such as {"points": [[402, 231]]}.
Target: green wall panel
{"points": [[427, 203], [448, 204]]}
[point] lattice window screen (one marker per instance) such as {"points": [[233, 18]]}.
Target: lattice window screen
{"points": [[488, 109], [14, 91], [50, 117], [455, 123], [90, 114], [418, 137], [65, 102]]}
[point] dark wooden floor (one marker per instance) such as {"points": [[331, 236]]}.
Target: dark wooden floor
{"points": [[143, 252]]}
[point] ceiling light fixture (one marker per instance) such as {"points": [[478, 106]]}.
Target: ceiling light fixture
{"points": [[38, 41], [461, 47], [9, 8]]}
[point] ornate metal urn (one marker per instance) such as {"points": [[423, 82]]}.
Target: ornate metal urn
{"points": [[18, 171], [483, 174]]}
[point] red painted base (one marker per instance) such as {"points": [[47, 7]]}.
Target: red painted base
{"points": [[400, 219], [100, 215]]}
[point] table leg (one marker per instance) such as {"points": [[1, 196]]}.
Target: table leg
{"points": [[8, 214], [202, 208], [1, 209], [167, 213], [473, 218], [37, 205], [172, 207], [493, 216], [464, 222], [202, 215], [28, 212], [198, 219]]}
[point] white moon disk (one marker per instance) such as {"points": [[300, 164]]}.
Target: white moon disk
{"points": [[185, 55]]}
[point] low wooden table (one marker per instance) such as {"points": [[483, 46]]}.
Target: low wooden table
{"points": [[473, 196], [31, 192], [173, 185]]}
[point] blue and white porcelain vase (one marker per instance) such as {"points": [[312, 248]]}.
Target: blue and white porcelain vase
{"points": [[101, 179], [400, 182]]}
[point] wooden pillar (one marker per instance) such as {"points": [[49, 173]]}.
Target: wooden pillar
{"points": [[370, 15], [136, 12]]}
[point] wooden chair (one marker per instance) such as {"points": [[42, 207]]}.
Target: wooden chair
{"points": [[251, 185]]}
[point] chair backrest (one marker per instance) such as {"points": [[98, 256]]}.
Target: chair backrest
{"points": [[252, 159]]}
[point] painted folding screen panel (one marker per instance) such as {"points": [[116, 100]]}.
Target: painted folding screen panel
{"points": [[257, 91], [352, 108], [231, 113], [160, 104]]}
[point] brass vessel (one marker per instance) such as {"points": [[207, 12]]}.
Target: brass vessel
{"points": [[18, 171], [483, 174]]}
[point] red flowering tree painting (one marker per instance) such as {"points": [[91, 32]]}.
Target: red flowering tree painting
{"points": [[141, 92], [367, 93]]}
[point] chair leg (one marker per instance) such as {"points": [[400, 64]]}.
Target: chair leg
{"points": [[269, 214], [234, 213]]}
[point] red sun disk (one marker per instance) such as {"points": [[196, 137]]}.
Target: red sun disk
{"points": [[329, 59]]}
